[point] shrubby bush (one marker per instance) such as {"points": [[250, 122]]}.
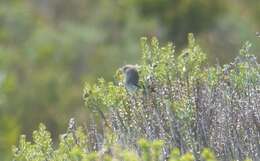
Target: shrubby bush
{"points": [[74, 146], [185, 111]]}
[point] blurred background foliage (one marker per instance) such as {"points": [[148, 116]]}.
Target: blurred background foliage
{"points": [[49, 48]]}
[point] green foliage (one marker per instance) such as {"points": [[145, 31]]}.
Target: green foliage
{"points": [[138, 135], [42, 149], [192, 60], [208, 155], [177, 89], [151, 150], [103, 95]]}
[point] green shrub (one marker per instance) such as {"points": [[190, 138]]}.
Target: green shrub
{"points": [[183, 108], [74, 148]]}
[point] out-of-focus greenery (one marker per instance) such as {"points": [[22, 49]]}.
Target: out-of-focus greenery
{"points": [[43, 64], [181, 17], [48, 48]]}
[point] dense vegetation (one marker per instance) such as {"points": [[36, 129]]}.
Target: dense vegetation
{"points": [[49, 48], [184, 108]]}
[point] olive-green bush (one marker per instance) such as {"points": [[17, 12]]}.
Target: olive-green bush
{"points": [[185, 111]]}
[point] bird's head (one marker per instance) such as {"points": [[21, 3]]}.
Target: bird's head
{"points": [[125, 68]]}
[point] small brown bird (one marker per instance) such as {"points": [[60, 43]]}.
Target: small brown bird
{"points": [[131, 77]]}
